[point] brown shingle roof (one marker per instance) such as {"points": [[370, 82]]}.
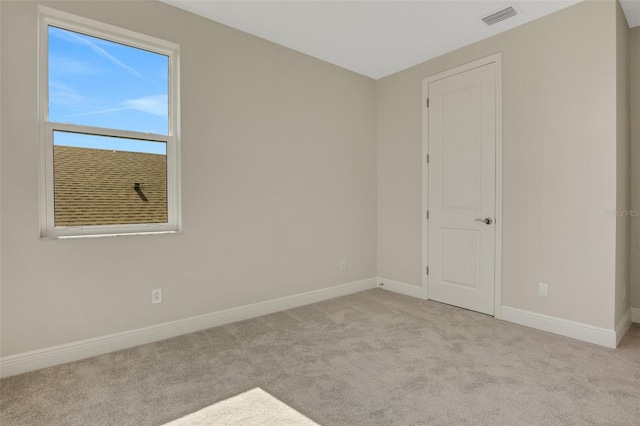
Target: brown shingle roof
{"points": [[97, 187]]}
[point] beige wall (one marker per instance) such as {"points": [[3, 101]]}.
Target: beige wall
{"points": [[559, 132], [623, 202], [278, 185], [279, 178], [634, 73]]}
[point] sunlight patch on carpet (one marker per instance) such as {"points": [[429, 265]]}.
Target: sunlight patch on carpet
{"points": [[251, 408]]}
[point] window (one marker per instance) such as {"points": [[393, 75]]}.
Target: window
{"points": [[109, 129]]}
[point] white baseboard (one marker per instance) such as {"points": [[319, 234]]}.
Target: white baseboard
{"points": [[635, 315], [34, 360], [623, 326], [563, 327], [398, 287]]}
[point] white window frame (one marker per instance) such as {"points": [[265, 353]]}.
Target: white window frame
{"points": [[47, 17]]}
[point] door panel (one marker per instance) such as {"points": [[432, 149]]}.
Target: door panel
{"points": [[462, 182], [460, 168], [460, 247]]}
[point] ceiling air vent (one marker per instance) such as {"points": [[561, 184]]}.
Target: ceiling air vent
{"points": [[500, 15]]}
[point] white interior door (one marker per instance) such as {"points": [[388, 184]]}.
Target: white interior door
{"points": [[462, 189]]}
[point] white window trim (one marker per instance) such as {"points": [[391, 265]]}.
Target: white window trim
{"points": [[48, 16]]}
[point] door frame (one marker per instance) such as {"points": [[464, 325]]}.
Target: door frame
{"points": [[497, 59]]}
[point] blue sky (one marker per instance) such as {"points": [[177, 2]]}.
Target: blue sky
{"points": [[99, 83]]}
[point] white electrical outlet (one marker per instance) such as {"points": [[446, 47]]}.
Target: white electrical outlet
{"points": [[343, 265], [543, 289], [156, 296]]}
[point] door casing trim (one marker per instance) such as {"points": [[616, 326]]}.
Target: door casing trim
{"points": [[497, 59]]}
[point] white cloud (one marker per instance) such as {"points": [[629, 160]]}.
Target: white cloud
{"points": [[61, 94], [156, 104], [64, 65], [86, 41]]}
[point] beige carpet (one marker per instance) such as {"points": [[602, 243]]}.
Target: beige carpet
{"points": [[372, 358], [251, 408]]}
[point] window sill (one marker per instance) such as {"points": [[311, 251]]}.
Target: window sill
{"points": [[122, 234]]}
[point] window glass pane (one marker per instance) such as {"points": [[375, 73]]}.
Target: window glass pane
{"points": [[102, 180], [95, 82]]}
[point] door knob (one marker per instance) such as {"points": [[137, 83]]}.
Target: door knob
{"points": [[487, 220]]}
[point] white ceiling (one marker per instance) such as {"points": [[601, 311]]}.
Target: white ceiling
{"points": [[375, 38], [632, 11]]}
